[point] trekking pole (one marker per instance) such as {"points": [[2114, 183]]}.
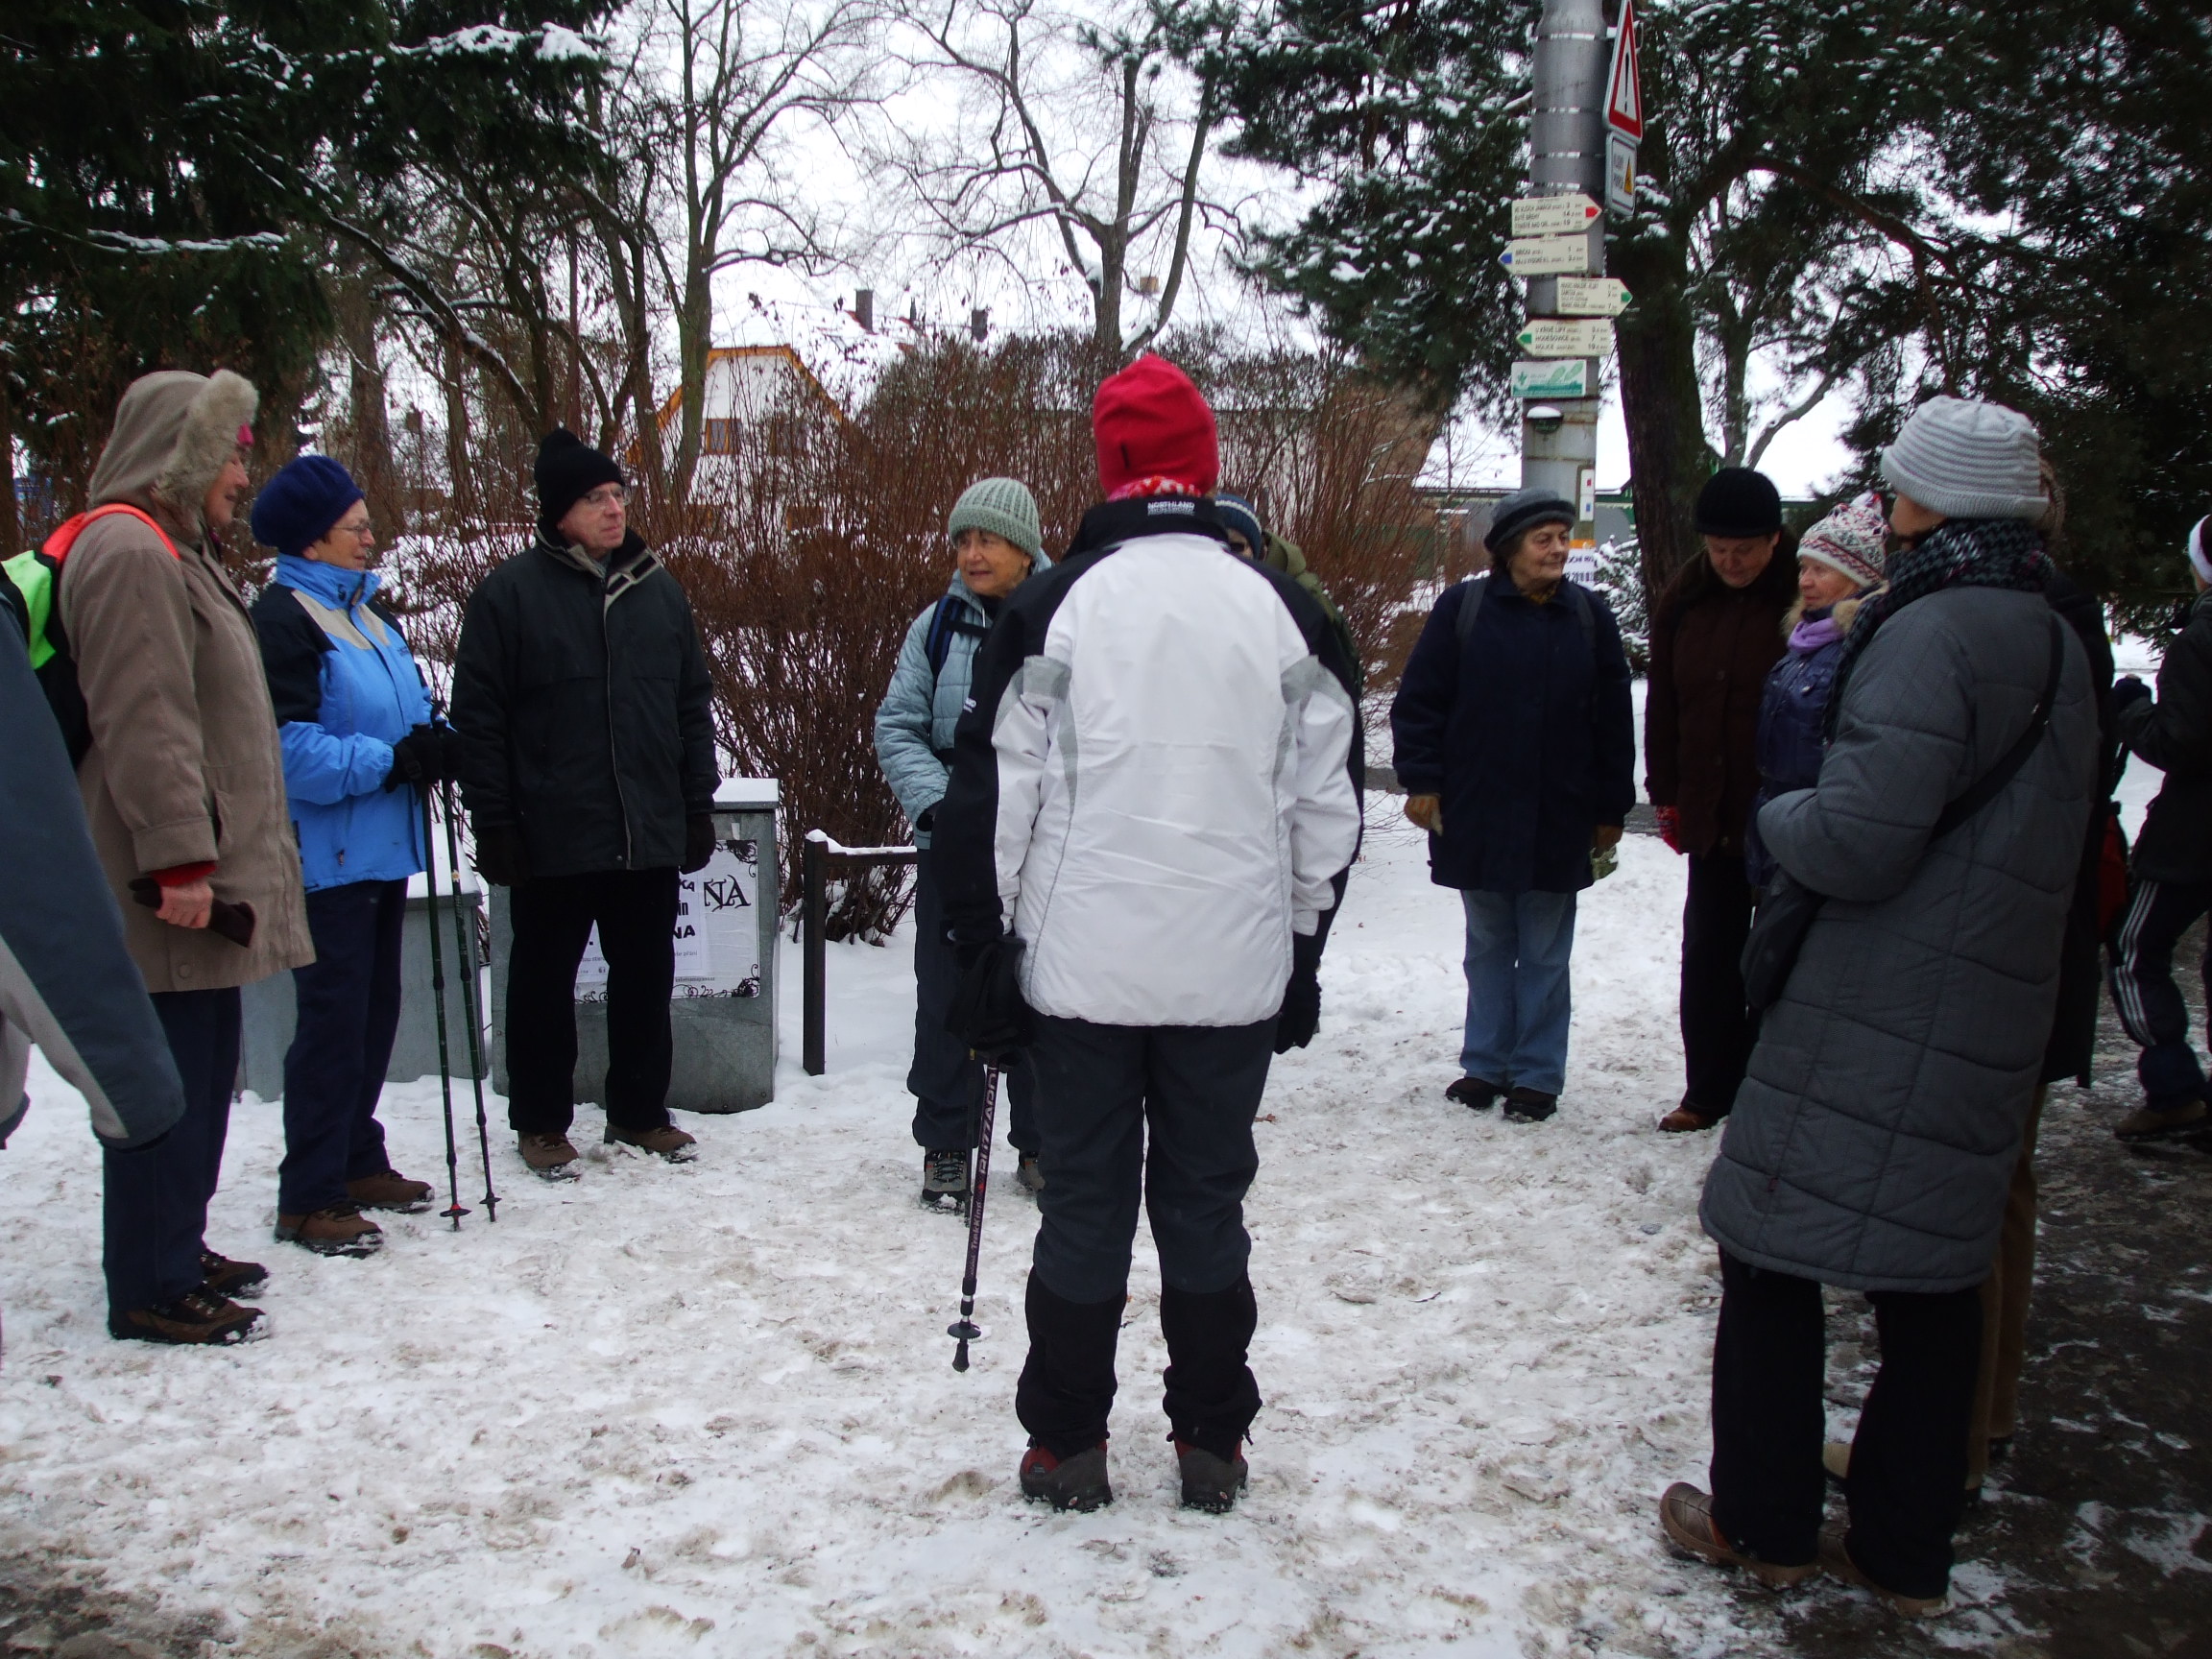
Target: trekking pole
{"points": [[454, 1210], [469, 1006], [965, 1329]]}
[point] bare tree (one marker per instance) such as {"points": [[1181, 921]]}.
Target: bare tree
{"points": [[1097, 133]]}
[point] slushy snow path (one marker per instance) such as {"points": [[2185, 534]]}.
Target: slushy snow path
{"points": [[711, 1410]]}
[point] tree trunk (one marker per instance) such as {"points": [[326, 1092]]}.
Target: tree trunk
{"points": [[1662, 406], [694, 345]]}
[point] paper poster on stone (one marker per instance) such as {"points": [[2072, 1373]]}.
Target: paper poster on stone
{"points": [[717, 931]]}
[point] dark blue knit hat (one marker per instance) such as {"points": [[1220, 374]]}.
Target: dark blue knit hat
{"points": [[296, 509], [1240, 516]]}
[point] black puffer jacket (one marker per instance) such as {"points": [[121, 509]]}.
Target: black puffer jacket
{"points": [[583, 702], [2174, 734]]}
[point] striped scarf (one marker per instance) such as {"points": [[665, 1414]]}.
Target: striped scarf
{"points": [[1958, 553]]}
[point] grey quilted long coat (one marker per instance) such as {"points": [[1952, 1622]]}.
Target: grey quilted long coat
{"points": [[1874, 1136]]}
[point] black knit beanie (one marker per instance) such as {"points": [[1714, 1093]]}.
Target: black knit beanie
{"points": [[1737, 501], [1526, 510], [567, 471]]}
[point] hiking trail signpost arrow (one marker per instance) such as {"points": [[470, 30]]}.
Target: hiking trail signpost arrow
{"points": [[1545, 337], [1553, 215], [1546, 256], [1593, 296]]}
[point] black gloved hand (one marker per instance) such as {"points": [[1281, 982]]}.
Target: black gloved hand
{"points": [[698, 842], [417, 758], [1301, 1014], [987, 1011], [2127, 690], [501, 857], [450, 747]]}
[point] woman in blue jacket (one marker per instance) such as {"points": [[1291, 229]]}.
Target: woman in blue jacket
{"points": [[1517, 748], [996, 545], [359, 743]]}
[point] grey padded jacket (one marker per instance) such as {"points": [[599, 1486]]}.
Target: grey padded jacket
{"points": [[1874, 1136]]}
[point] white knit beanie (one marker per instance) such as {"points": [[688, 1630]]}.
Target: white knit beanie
{"points": [[1968, 460]]}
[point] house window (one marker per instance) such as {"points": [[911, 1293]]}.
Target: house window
{"points": [[721, 437]]}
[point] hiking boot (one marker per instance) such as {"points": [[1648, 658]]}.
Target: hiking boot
{"points": [[1836, 1560], [1687, 1120], [1078, 1483], [550, 1157], [1209, 1483], [390, 1190], [1686, 1517], [226, 1278], [341, 1230], [197, 1318], [1474, 1093], [2163, 1122], [945, 1180], [1028, 1175], [666, 1142], [1529, 1105]]}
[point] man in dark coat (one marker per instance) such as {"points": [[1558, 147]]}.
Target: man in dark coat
{"points": [[1517, 747], [2171, 872], [1714, 634], [582, 698]]}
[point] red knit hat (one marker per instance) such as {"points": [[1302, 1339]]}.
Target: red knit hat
{"points": [[1150, 422]]}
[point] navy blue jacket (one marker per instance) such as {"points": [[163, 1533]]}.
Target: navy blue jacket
{"points": [[1792, 713], [1527, 735]]}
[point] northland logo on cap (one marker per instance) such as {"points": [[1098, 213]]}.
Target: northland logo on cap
{"points": [[1171, 506]]}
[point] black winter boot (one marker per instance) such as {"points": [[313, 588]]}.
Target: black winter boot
{"points": [[1474, 1093], [1529, 1105], [1079, 1482], [1212, 1397], [1067, 1388]]}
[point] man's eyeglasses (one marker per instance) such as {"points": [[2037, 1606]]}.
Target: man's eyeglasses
{"points": [[607, 495]]}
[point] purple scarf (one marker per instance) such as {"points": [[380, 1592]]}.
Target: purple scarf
{"points": [[1813, 631]]}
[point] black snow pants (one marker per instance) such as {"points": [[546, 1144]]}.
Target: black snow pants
{"points": [[349, 1006], [2149, 1002], [1162, 1114], [947, 1080], [1718, 1029], [1908, 1459]]}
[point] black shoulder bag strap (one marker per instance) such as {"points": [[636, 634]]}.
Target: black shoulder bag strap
{"points": [[1787, 912]]}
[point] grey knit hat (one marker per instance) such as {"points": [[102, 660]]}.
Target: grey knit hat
{"points": [[1002, 506], [1524, 510], [1968, 460]]}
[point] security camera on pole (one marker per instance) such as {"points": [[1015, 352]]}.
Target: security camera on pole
{"points": [[1587, 100]]}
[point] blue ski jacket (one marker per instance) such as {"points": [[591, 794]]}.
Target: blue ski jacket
{"points": [[345, 689]]}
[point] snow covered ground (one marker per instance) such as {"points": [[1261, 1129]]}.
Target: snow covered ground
{"points": [[710, 1409]]}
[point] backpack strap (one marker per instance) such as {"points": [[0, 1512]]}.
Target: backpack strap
{"points": [[57, 546], [1471, 607], [1479, 589], [944, 622]]}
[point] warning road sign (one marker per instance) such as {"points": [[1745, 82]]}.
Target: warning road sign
{"points": [[1625, 87]]}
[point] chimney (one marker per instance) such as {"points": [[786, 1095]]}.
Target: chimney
{"points": [[864, 308], [978, 324]]}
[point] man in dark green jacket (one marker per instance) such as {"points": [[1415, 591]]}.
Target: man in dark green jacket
{"points": [[583, 700]]}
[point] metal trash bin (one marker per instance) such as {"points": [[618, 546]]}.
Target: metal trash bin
{"points": [[270, 1008], [724, 1011]]}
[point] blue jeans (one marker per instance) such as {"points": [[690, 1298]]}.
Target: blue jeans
{"points": [[1517, 995]]}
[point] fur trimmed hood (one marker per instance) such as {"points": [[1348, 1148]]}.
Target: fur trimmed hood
{"points": [[1845, 614], [174, 433]]}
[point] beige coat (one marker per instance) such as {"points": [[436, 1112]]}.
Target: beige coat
{"points": [[186, 764]]}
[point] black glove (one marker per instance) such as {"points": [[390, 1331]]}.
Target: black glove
{"points": [[418, 758], [2127, 690], [987, 1011], [1301, 1014], [698, 842], [501, 857], [449, 748]]}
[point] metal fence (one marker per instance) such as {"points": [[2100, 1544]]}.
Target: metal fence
{"points": [[817, 853]]}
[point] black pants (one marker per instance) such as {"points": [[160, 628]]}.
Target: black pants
{"points": [[2149, 1002], [1908, 1459], [1163, 1115], [553, 916], [1716, 1024], [349, 1000], [154, 1209], [946, 1079]]}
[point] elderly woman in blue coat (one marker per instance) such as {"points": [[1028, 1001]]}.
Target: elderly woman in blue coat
{"points": [[359, 742], [1517, 747], [996, 545]]}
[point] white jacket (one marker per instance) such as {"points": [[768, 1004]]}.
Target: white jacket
{"points": [[1162, 767]]}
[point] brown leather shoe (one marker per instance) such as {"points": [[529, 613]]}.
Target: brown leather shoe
{"points": [[341, 1230], [1686, 1517], [226, 1278], [195, 1318], [550, 1157], [666, 1142], [2157, 1124], [1836, 1560], [391, 1191], [1685, 1120]]}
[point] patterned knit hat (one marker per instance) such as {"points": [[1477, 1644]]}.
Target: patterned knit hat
{"points": [[1852, 539], [1002, 506], [1968, 460]]}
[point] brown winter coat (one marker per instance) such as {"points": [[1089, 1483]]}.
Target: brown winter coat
{"points": [[1711, 648], [184, 766]]}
